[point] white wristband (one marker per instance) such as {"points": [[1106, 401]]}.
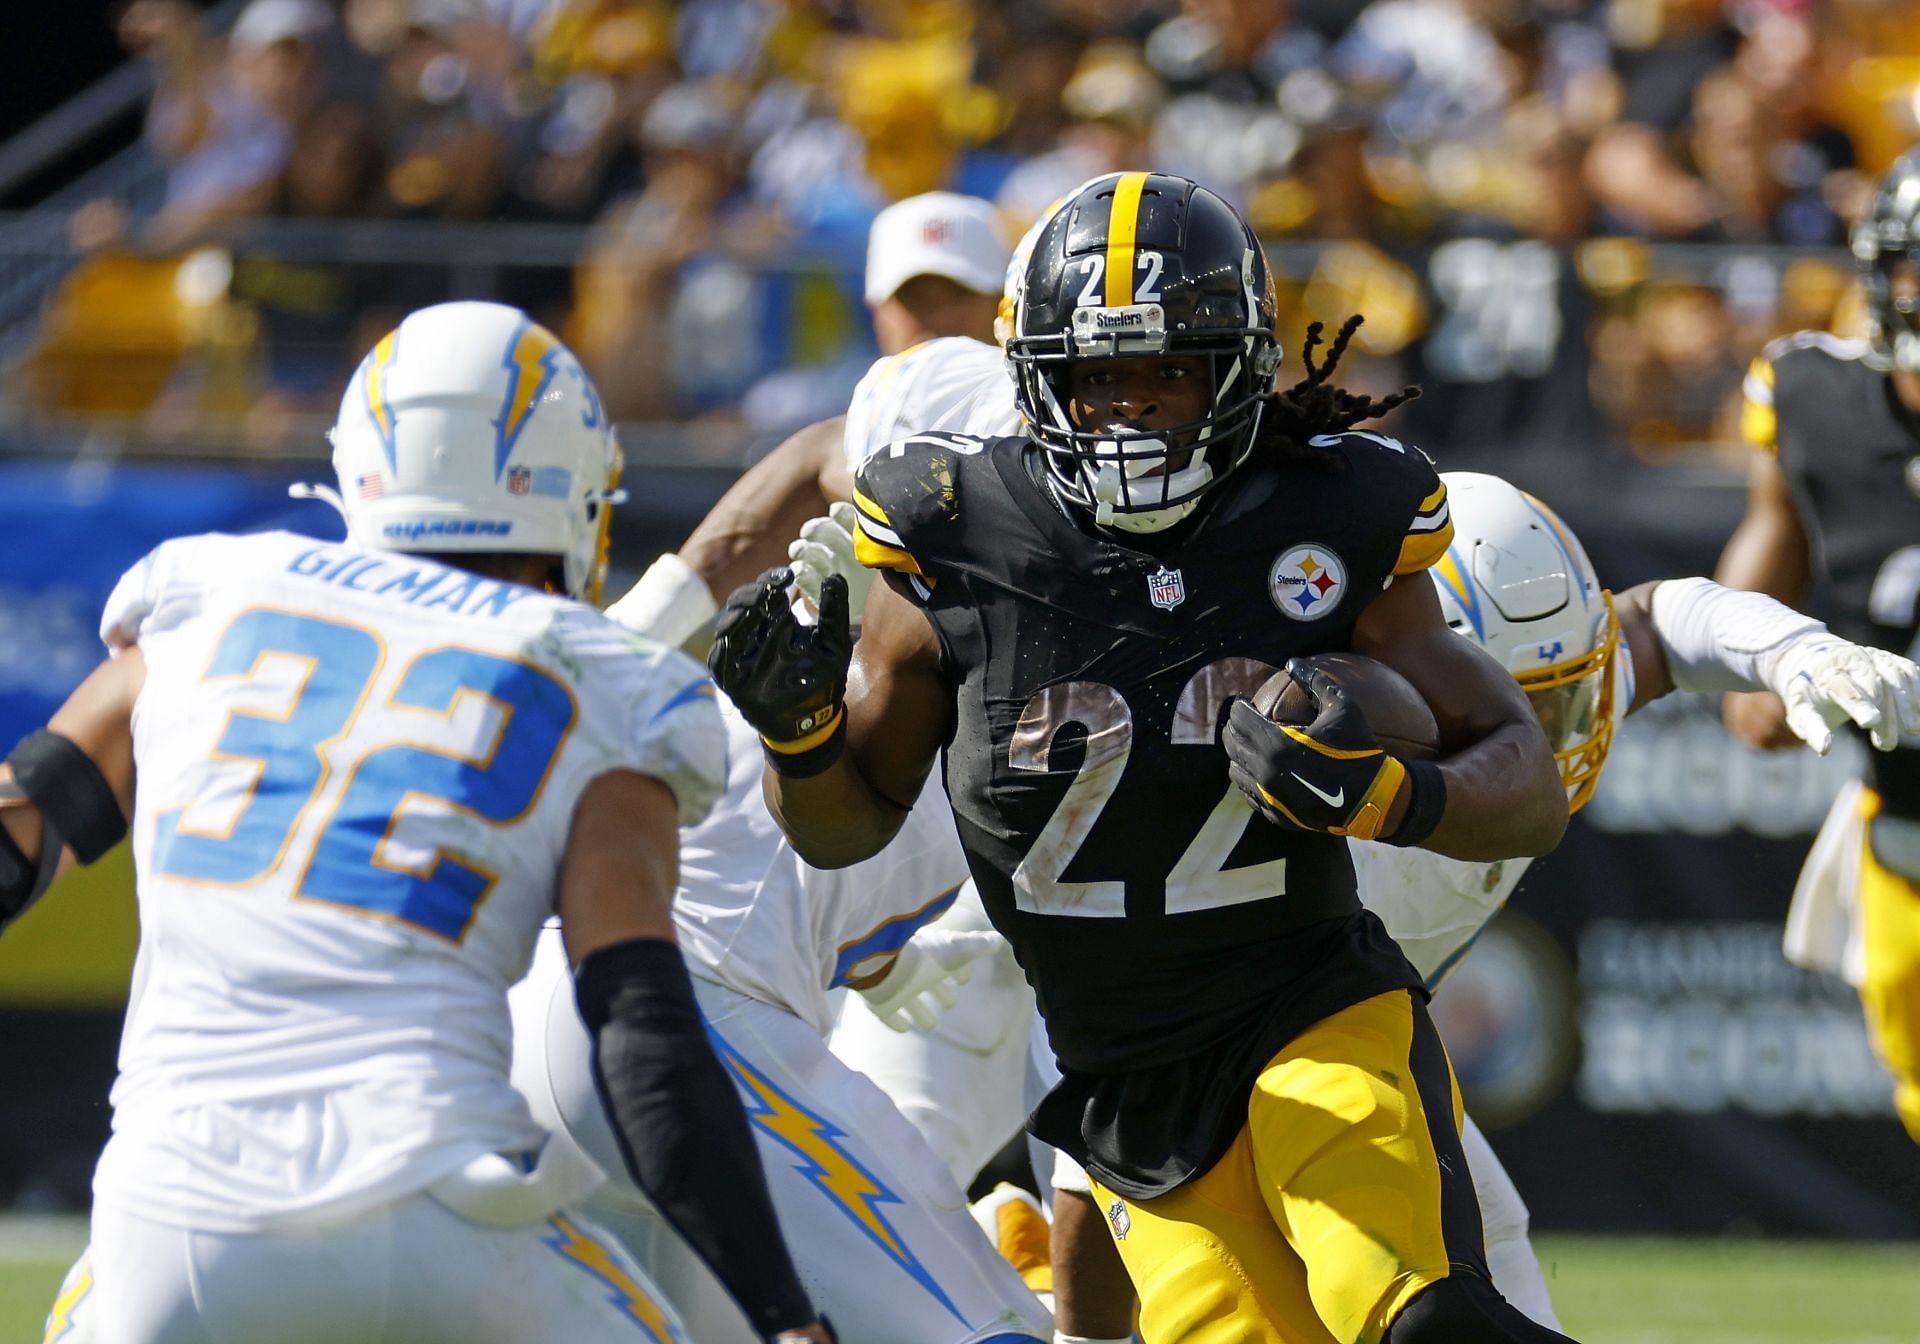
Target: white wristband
{"points": [[670, 602], [1721, 639]]}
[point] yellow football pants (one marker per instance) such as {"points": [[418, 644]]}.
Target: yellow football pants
{"points": [[1345, 1194], [1890, 991]]}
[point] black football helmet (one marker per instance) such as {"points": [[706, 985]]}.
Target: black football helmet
{"points": [[1888, 235], [1132, 265]]}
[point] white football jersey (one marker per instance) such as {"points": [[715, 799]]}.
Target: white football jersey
{"points": [[357, 771], [755, 917], [1435, 906], [953, 383]]}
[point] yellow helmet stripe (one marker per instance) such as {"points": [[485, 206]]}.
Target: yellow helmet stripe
{"points": [[1122, 225]]}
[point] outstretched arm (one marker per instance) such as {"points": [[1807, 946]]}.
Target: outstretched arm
{"points": [[1769, 553], [682, 1133], [747, 531], [76, 777], [1694, 635]]}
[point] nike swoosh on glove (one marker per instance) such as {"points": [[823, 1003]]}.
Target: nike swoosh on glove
{"points": [[1330, 776], [789, 680], [1829, 681]]}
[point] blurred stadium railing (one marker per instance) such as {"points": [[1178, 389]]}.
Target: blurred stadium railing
{"points": [[240, 346]]}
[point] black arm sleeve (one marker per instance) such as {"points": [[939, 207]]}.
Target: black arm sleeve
{"points": [[681, 1130]]}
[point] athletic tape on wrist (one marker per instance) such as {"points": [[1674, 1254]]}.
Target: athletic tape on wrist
{"points": [[1426, 804], [670, 603]]}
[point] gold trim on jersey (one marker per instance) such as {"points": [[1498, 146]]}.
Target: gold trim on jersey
{"points": [[1759, 418], [1123, 226], [1428, 534], [875, 544]]}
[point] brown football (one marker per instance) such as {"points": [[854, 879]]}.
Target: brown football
{"points": [[1395, 711]]}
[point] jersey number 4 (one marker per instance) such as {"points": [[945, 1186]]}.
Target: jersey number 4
{"points": [[1200, 879], [293, 751]]}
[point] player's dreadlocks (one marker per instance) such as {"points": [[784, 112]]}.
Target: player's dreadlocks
{"points": [[1314, 406]]}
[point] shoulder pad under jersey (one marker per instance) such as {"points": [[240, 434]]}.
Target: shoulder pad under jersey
{"points": [[1403, 477], [643, 707], [950, 383], [907, 496]]}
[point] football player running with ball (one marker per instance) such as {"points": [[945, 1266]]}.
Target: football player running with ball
{"points": [[361, 776], [1249, 1071]]}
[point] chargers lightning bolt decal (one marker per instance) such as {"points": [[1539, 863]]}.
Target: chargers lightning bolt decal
{"points": [[373, 387], [532, 354], [854, 1190], [639, 1305]]}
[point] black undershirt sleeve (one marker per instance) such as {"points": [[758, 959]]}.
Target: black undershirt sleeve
{"points": [[682, 1132]]}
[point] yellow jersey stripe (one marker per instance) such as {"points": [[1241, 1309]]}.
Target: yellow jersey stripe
{"points": [[1423, 549], [1338, 753], [1434, 500], [1759, 418], [871, 509], [1122, 226], [878, 555]]}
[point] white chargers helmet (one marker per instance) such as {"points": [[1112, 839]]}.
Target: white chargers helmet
{"points": [[470, 427], [1517, 582]]}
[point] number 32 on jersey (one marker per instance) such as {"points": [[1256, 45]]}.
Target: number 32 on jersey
{"points": [[295, 749]]}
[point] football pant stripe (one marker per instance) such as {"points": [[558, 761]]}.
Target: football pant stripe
{"points": [[1122, 227]]}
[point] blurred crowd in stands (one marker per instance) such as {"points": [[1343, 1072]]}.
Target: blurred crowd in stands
{"points": [[1489, 181]]}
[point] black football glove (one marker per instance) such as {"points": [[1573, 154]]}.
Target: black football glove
{"points": [[1331, 775], [788, 679]]}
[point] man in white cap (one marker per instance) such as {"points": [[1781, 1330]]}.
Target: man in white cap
{"points": [[935, 268], [935, 265]]}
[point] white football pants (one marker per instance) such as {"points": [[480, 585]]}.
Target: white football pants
{"points": [[1516, 1269], [963, 1084], [411, 1272], [879, 1232]]}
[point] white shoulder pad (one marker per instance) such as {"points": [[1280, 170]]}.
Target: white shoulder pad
{"points": [[953, 383], [649, 708], [165, 588]]}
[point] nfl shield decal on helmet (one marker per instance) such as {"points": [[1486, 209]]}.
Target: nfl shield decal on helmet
{"points": [[1166, 589], [1307, 582], [519, 480]]}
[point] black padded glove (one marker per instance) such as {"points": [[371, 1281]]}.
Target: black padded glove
{"points": [[1331, 775], [789, 680]]}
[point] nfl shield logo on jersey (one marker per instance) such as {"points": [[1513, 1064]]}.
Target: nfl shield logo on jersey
{"points": [[1122, 1221], [1307, 582], [1166, 589]]}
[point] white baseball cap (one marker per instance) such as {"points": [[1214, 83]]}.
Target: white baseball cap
{"points": [[265, 22], [939, 233]]}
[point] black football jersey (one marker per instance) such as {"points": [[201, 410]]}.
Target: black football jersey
{"points": [[1851, 455], [1159, 919]]}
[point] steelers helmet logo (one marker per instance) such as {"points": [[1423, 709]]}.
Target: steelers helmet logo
{"points": [[1307, 582]]}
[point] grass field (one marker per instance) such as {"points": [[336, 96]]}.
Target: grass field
{"points": [[1609, 1291]]}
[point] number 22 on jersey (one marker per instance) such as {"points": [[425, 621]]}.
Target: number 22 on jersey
{"points": [[296, 747], [1200, 879]]}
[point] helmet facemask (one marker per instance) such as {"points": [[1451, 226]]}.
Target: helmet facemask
{"points": [[1142, 480], [1574, 702], [1142, 266]]}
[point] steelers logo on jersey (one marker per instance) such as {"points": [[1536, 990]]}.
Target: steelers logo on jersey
{"points": [[1307, 582]]}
